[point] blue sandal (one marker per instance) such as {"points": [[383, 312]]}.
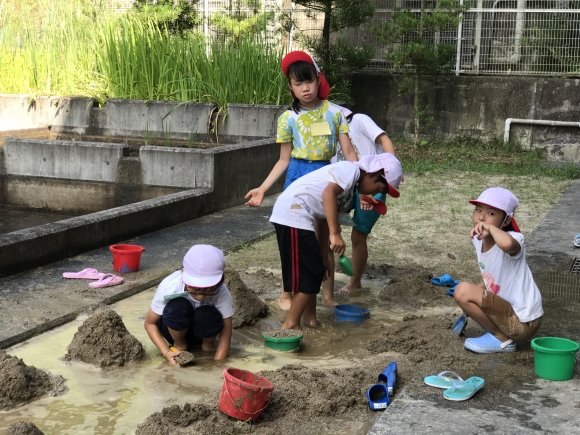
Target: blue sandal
{"points": [[463, 390], [444, 281], [577, 241], [451, 291]]}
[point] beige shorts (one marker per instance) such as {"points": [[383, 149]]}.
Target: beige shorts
{"points": [[502, 314]]}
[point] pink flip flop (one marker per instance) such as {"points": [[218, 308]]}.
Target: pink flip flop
{"points": [[106, 280], [84, 274]]}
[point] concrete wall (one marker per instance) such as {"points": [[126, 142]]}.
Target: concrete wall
{"points": [[224, 176], [72, 160], [73, 197], [137, 120], [478, 106], [177, 167], [249, 122]]}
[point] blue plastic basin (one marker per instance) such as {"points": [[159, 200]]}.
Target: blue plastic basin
{"points": [[350, 313]]}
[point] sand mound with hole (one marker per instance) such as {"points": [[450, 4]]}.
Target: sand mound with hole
{"points": [[103, 340], [20, 383], [24, 428], [247, 306], [301, 395], [426, 338], [415, 292]]}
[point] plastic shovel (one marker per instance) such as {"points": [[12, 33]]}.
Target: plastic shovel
{"points": [[345, 265]]}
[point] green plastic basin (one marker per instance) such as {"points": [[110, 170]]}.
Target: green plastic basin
{"points": [[287, 344], [554, 357]]}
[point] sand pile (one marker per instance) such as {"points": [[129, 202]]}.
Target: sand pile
{"points": [[103, 340], [301, 396], [414, 292], [282, 333], [427, 338], [20, 383], [263, 283], [247, 306], [24, 428]]}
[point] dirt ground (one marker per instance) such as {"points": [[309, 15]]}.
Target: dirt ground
{"points": [[21, 383], [103, 340], [305, 399]]}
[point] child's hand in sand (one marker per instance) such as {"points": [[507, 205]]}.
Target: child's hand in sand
{"points": [[170, 356]]}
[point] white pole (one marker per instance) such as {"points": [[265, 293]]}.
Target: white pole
{"points": [[459, 32], [477, 37], [291, 35], [509, 121]]}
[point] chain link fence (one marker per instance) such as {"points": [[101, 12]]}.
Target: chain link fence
{"points": [[520, 37]]}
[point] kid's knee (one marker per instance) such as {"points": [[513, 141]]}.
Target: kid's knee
{"points": [[461, 293]]}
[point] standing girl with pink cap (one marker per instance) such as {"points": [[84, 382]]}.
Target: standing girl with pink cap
{"points": [[507, 303], [307, 132]]}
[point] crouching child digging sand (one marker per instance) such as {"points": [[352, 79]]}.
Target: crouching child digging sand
{"points": [[320, 195], [192, 306]]}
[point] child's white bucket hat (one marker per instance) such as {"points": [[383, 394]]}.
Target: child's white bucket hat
{"points": [[203, 266], [389, 164]]}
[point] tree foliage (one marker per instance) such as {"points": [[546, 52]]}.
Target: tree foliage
{"points": [[410, 40], [339, 57], [178, 16]]}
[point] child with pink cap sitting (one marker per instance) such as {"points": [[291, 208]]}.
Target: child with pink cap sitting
{"points": [[507, 303], [192, 306]]}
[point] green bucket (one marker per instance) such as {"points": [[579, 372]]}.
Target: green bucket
{"points": [[286, 344], [554, 357]]}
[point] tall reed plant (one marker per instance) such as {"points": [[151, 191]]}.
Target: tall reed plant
{"points": [[140, 59], [80, 47], [45, 45]]}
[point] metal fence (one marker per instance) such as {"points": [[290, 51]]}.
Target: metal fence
{"points": [[523, 37]]}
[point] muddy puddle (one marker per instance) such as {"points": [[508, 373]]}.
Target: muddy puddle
{"points": [[117, 400]]}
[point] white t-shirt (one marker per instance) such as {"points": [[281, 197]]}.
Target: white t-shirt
{"points": [[173, 284], [510, 278], [301, 203], [363, 133]]}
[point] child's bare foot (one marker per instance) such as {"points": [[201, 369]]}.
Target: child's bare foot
{"points": [[349, 288], [312, 323], [285, 302], [287, 325], [330, 301]]}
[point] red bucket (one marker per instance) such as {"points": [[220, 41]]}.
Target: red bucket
{"points": [[126, 258], [244, 394]]}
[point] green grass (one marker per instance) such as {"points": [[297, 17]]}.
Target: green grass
{"points": [[81, 48], [467, 153]]}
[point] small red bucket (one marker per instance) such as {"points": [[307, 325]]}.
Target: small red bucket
{"points": [[244, 394], [126, 258]]}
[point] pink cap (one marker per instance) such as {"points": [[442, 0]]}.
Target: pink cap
{"points": [[500, 198], [389, 164], [203, 266]]}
